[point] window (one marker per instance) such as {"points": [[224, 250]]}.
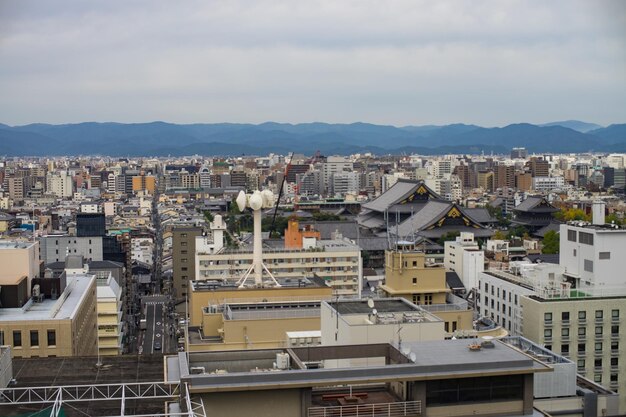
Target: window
{"points": [[504, 295], [486, 287], [1, 337], [515, 299], [597, 363], [604, 255], [614, 330], [565, 349], [428, 299], [52, 338], [582, 348], [614, 362], [597, 378], [183, 252], [614, 377], [599, 314], [414, 263], [414, 281], [598, 330], [548, 347], [565, 316], [17, 338], [615, 314], [588, 265], [34, 338], [416, 299], [547, 317], [504, 308], [585, 238], [183, 260], [598, 347], [565, 332], [547, 333], [582, 315], [481, 389], [183, 235], [571, 235], [581, 364], [184, 268], [614, 346]]}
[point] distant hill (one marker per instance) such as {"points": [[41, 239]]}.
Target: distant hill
{"points": [[577, 125], [161, 138]]}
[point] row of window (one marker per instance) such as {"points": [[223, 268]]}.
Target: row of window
{"points": [[496, 293], [582, 331], [34, 338], [582, 348], [582, 315]]}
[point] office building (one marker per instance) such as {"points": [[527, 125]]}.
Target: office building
{"points": [[183, 252]]}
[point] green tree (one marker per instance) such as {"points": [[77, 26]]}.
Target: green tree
{"points": [[612, 218], [448, 237], [499, 235], [571, 214], [551, 242]]}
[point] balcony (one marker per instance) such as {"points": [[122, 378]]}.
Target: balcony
{"points": [[407, 408]]}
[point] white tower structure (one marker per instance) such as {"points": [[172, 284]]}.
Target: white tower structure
{"points": [[256, 201]]}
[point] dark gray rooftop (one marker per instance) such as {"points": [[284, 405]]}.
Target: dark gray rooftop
{"points": [[393, 305]]}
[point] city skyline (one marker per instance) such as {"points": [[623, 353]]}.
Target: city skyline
{"points": [[408, 63]]}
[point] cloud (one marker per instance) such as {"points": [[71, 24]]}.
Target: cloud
{"points": [[396, 62]]}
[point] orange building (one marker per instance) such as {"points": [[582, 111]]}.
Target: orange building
{"points": [[294, 235], [144, 183]]}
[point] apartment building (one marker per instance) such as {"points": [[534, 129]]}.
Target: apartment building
{"points": [[464, 257], [183, 251], [54, 248], [54, 325], [338, 262]]}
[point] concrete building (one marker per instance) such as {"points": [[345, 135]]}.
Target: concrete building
{"points": [[110, 324], [410, 276], [592, 254], [464, 257], [433, 378], [388, 320], [334, 165], [206, 297], [547, 184], [18, 260], [44, 327], [183, 253], [343, 183], [54, 248], [60, 184]]}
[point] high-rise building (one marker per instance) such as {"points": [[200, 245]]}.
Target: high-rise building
{"points": [[183, 258], [519, 153], [504, 176]]}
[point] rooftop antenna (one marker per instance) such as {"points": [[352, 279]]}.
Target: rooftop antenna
{"points": [[256, 201]]}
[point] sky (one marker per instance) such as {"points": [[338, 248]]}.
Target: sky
{"points": [[404, 62]]}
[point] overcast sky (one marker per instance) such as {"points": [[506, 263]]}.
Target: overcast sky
{"points": [[391, 62]]}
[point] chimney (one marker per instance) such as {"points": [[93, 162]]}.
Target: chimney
{"points": [[598, 212]]}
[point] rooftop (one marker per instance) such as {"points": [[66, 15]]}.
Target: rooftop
{"points": [[65, 307], [383, 305], [15, 244], [229, 285]]}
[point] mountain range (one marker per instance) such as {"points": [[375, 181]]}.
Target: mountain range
{"points": [[162, 139]]}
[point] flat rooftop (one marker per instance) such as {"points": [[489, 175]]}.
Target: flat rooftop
{"points": [[383, 305], [261, 311], [15, 244], [278, 246], [65, 307], [312, 281], [250, 370]]}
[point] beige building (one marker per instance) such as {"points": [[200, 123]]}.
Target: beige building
{"points": [[410, 276], [19, 259], [44, 327], [109, 317], [587, 329], [338, 262], [253, 325], [205, 294]]}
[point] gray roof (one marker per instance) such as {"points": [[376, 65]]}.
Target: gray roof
{"points": [[555, 226], [531, 203], [399, 191], [546, 259], [480, 214], [431, 211], [453, 281]]}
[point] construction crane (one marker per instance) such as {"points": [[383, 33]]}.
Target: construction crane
{"points": [[280, 194]]}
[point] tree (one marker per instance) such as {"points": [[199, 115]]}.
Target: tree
{"points": [[208, 216], [499, 235], [571, 214], [517, 231], [551, 243], [612, 218], [448, 237]]}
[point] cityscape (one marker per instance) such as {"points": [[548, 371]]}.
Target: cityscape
{"points": [[198, 218]]}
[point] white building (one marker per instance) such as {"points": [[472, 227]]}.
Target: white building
{"points": [[335, 165], [54, 248], [594, 254], [464, 257], [345, 183], [547, 184], [60, 184]]}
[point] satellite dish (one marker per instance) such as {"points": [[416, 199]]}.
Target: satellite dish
{"points": [[374, 311], [413, 356], [370, 302]]}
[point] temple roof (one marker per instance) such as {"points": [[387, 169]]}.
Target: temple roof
{"points": [[535, 204], [403, 192]]}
